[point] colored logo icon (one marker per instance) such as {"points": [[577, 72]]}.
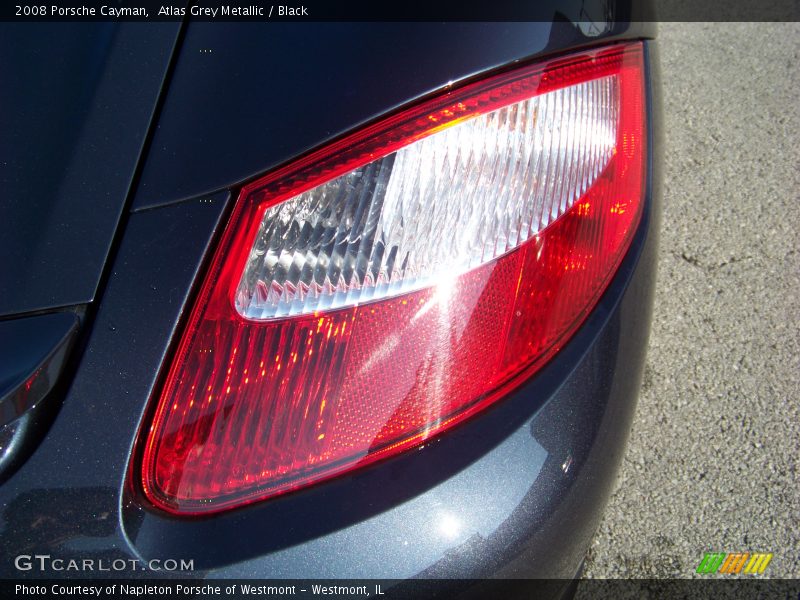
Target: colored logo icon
{"points": [[734, 563]]}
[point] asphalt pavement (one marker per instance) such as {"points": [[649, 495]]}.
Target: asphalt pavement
{"points": [[712, 461]]}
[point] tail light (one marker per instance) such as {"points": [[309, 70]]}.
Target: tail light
{"points": [[392, 284]]}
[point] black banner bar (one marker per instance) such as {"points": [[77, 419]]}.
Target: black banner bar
{"points": [[405, 10], [389, 589]]}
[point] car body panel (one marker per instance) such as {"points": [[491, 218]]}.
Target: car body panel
{"points": [[516, 491], [246, 97], [77, 102]]}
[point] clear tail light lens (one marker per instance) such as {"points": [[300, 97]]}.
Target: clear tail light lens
{"points": [[394, 283]]}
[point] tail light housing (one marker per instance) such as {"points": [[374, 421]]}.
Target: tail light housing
{"points": [[394, 283]]}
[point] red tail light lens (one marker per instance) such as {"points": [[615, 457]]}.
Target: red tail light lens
{"points": [[384, 288]]}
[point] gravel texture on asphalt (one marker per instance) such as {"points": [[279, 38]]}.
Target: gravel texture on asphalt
{"points": [[712, 461]]}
